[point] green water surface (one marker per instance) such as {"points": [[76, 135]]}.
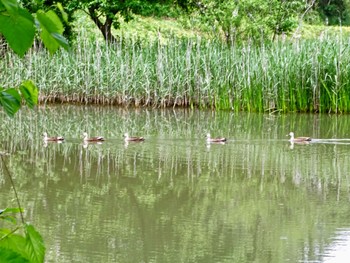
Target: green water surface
{"points": [[174, 198]]}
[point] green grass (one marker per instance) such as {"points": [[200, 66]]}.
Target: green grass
{"points": [[147, 29], [305, 75]]}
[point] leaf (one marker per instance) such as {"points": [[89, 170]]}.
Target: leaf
{"points": [[50, 21], [11, 6], [51, 31], [13, 241], [18, 29], [61, 40], [10, 100], [8, 255], [63, 13], [34, 244], [4, 214], [10, 219], [12, 210], [30, 93]]}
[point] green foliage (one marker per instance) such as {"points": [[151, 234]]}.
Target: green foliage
{"points": [[304, 75], [11, 98], [30, 93], [64, 14], [18, 27], [335, 12], [253, 19], [51, 31], [26, 247], [34, 244], [108, 14], [6, 214], [231, 20], [8, 255]]}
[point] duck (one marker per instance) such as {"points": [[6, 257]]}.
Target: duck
{"points": [[221, 139], [133, 139], [92, 139], [298, 139], [52, 139]]}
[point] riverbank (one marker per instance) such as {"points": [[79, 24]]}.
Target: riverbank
{"points": [[291, 76]]}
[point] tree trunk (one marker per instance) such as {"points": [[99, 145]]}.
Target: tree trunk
{"points": [[105, 28], [3, 46]]}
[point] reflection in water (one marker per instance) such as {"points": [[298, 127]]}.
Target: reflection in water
{"points": [[126, 143], [46, 143], [174, 197], [339, 250], [87, 143], [292, 143], [209, 144]]}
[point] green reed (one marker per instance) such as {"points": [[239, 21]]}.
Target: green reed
{"points": [[299, 75]]}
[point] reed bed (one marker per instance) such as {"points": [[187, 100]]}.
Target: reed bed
{"points": [[298, 76]]}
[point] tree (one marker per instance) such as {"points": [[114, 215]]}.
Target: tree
{"points": [[335, 11], [108, 14], [254, 19]]}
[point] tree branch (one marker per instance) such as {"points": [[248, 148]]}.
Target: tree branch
{"points": [[13, 186]]}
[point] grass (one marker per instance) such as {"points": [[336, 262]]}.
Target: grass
{"points": [[305, 75]]}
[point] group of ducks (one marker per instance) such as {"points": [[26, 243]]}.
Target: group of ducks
{"points": [[127, 138], [87, 139], [291, 134]]}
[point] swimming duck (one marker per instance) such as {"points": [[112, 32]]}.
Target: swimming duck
{"points": [[92, 139], [298, 139], [52, 139], [209, 139], [133, 139]]}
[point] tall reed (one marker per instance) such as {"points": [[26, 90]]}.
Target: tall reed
{"points": [[300, 75]]}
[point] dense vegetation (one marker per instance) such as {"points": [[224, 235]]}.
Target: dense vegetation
{"points": [[303, 75], [244, 55], [19, 28], [231, 20], [238, 61]]}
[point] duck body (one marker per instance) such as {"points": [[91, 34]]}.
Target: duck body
{"points": [[298, 139], [92, 139], [133, 139], [52, 139], [209, 139]]}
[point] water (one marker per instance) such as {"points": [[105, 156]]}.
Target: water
{"points": [[173, 198]]}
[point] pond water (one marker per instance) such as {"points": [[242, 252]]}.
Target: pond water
{"points": [[174, 198]]}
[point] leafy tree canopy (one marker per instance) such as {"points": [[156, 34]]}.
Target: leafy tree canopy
{"points": [[234, 19], [108, 14], [19, 27], [335, 12], [250, 18]]}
